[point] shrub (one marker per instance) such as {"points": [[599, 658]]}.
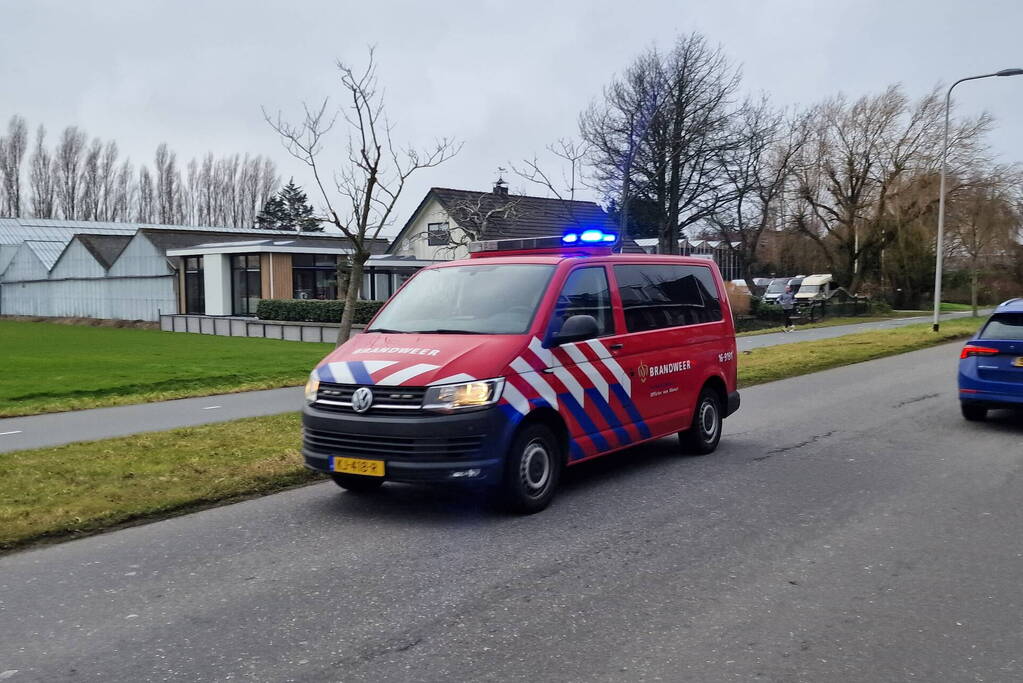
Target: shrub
{"points": [[314, 310]]}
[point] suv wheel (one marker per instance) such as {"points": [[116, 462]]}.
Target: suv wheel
{"points": [[703, 435], [532, 469], [973, 413]]}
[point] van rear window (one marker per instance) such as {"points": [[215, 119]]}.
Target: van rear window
{"points": [[656, 296], [1004, 326]]}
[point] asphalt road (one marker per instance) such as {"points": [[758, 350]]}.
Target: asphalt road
{"points": [[40, 431], [851, 527]]}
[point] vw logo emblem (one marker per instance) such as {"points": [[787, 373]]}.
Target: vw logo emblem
{"points": [[362, 399]]}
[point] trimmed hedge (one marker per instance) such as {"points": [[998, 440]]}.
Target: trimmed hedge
{"points": [[314, 310]]}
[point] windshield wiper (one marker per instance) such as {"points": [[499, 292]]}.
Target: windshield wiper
{"points": [[445, 331], [384, 330]]}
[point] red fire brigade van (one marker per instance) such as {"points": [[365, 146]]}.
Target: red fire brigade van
{"points": [[528, 357]]}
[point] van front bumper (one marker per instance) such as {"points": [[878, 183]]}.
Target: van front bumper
{"points": [[423, 447]]}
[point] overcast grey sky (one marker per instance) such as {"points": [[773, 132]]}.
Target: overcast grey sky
{"points": [[504, 77]]}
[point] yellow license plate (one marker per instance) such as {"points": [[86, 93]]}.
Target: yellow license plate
{"points": [[1018, 362], [369, 468]]}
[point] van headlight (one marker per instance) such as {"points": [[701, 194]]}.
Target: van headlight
{"points": [[476, 394], [312, 387]]}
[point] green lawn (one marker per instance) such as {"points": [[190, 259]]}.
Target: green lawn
{"points": [[85, 487], [50, 368]]}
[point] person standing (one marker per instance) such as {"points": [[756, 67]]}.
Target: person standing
{"points": [[787, 301]]}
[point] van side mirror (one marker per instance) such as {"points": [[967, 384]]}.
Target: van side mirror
{"points": [[576, 328]]}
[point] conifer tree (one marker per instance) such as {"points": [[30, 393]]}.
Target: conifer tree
{"points": [[289, 209]]}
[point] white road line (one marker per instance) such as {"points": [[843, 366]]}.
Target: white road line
{"points": [[16, 431], [211, 407]]}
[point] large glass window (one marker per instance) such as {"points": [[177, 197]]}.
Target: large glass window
{"points": [[585, 293], [195, 286], [474, 299], [246, 286], [314, 276], [656, 296], [437, 234]]}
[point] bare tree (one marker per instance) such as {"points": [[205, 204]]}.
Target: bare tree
{"points": [[108, 181], [125, 193], [858, 161], [40, 178], [983, 222], [367, 187], [12, 152], [660, 136], [90, 182], [146, 197], [68, 167], [756, 169]]}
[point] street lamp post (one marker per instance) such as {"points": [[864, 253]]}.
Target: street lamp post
{"points": [[940, 258]]}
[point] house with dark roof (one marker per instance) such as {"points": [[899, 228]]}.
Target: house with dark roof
{"points": [[447, 220]]}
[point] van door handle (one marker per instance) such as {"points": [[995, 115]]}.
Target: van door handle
{"points": [[617, 347]]}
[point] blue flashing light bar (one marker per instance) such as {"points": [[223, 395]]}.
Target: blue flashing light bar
{"points": [[589, 236]]}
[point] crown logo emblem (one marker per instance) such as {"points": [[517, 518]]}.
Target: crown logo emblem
{"points": [[643, 370]]}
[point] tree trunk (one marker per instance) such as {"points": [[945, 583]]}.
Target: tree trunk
{"points": [[973, 290], [351, 297]]}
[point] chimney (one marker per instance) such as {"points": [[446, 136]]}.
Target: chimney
{"points": [[501, 187]]}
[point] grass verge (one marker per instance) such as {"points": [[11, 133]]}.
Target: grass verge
{"points": [[772, 363], [72, 490], [85, 487], [51, 368]]}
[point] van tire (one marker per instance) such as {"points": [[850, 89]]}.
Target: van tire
{"points": [[972, 412], [357, 483], [704, 433], [532, 469]]}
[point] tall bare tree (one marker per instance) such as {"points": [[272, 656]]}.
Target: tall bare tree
{"points": [[67, 166], [757, 169], [12, 153], [858, 162], [983, 222], [40, 178], [91, 183], [661, 135], [146, 204], [367, 187]]}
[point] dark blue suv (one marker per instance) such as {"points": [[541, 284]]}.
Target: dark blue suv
{"points": [[991, 364]]}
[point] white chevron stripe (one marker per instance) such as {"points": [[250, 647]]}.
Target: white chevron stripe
{"points": [[460, 377], [551, 361], [406, 374], [611, 364], [515, 398], [340, 372], [583, 363], [527, 373], [545, 355], [377, 365]]}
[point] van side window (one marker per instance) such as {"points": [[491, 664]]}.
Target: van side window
{"points": [[586, 292], [655, 296]]}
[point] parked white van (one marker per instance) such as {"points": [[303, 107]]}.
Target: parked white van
{"points": [[814, 288]]}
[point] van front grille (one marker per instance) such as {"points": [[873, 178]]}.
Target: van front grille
{"points": [[383, 446]]}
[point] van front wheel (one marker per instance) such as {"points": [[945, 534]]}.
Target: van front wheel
{"points": [[532, 469], [704, 433]]}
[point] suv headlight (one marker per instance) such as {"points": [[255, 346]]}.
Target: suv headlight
{"points": [[311, 387], [466, 395]]}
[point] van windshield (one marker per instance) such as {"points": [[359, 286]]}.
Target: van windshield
{"points": [[471, 299], [809, 289], [777, 287]]}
